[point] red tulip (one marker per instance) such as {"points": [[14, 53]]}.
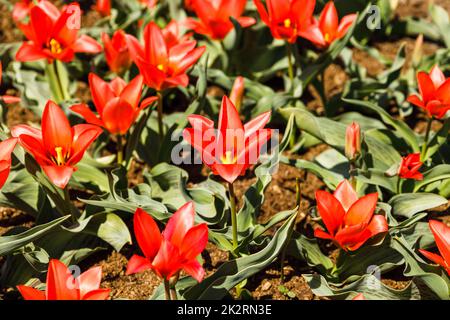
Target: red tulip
{"points": [[173, 36], [117, 103], [434, 91], [6, 148], [149, 3], [175, 249], [409, 167], [230, 150], [189, 5], [287, 19], [328, 29], [117, 54], [61, 285], [7, 99], [441, 235], [161, 67], [215, 17], [103, 7], [353, 141], [22, 9], [57, 147], [350, 221], [54, 35], [237, 92]]}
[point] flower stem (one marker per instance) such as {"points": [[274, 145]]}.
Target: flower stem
{"points": [[160, 116], [291, 65], [73, 213], [167, 289], [233, 215], [119, 149], [399, 185], [352, 174], [427, 137], [59, 92]]}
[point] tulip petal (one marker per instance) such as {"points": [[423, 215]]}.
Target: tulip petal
{"points": [[179, 224], [147, 233], [83, 110], [194, 242], [442, 237], [443, 93], [331, 211], [229, 172], [58, 175], [228, 117], [36, 148], [60, 283], [262, 11], [118, 116], [345, 194], [147, 102], [194, 269], [346, 23], [415, 100], [132, 92], [437, 76], [10, 99], [6, 148], [168, 261], [56, 129], [319, 233], [101, 92], [433, 257], [138, 264], [426, 86], [155, 46], [188, 60], [29, 293], [246, 22], [89, 280], [83, 136], [5, 168], [99, 294], [256, 124], [29, 52], [329, 20], [361, 212], [86, 44]]}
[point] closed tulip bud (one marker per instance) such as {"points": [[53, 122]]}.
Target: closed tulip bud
{"points": [[418, 51], [353, 141], [237, 92], [103, 7]]}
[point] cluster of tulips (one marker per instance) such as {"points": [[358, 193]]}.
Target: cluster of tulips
{"points": [[164, 59]]}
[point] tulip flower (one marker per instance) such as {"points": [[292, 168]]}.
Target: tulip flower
{"points": [[173, 36], [61, 285], [7, 99], [237, 92], [353, 141], [441, 235], [22, 8], [57, 147], [6, 148], [287, 19], [117, 54], [230, 150], [54, 35], [214, 17], [189, 5], [161, 67], [409, 167], [434, 93], [173, 250], [349, 221], [328, 28], [103, 7]]}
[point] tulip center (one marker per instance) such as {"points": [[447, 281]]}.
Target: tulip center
{"points": [[327, 37], [55, 46], [60, 158], [160, 67], [228, 158], [287, 23]]}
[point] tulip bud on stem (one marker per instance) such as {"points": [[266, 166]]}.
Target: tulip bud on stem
{"points": [[233, 216], [160, 116], [427, 137]]}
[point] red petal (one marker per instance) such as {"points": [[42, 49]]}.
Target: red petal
{"points": [[179, 224], [83, 136], [345, 24], [345, 194], [99, 294], [256, 124], [30, 52], [361, 211], [101, 92], [58, 175], [56, 129], [6, 148], [319, 233], [29, 293], [83, 110], [228, 117], [86, 44], [331, 211], [189, 59], [155, 46], [433, 257], [194, 242], [442, 237], [89, 280], [60, 283], [118, 116], [443, 93], [229, 172], [314, 35], [262, 11], [437, 76], [41, 26], [278, 10], [132, 92], [426, 86], [415, 100], [168, 261], [138, 264], [194, 269], [329, 20], [10, 99], [147, 233]]}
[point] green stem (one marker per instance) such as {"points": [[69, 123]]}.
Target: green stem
{"points": [[291, 65], [399, 185], [160, 116], [119, 149], [167, 289], [427, 137], [233, 216], [352, 174], [73, 213]]}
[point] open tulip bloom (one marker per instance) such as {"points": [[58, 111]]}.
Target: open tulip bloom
{"points": [[409, 167], [57, 146], [441, 235], [53, 34], [349, 221], [214, 17], [117, 54], [61, 285], [162, 67], [231, 149], [6, 148], [173, 250]]}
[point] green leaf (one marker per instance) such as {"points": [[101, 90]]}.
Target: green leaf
{"points": [[408, 204]]}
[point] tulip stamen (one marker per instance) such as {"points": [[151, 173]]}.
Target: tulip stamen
{"points": [[327, 37], [228, 158], [160, 67], [60, 158], [55, 46], [287, 23]]}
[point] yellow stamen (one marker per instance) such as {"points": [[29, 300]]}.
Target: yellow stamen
{"points": [[287, 23], [327, 37], [55, 46], [228, 158], [160, 67], [60, 159]]}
